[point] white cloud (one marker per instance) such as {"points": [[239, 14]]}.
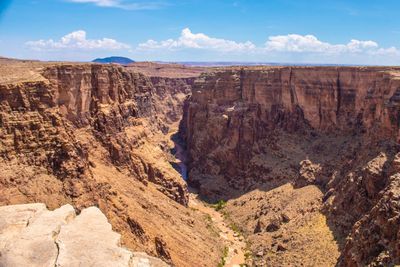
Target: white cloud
{"points": [[77, 41], [291, 48], [360, 46], [188, 39], [295, 43], [387, 51], [123, 4], [279, 44], [310, 44], [103, 3]]}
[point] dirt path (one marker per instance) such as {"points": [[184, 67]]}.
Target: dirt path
{"points": [[233, 241]]}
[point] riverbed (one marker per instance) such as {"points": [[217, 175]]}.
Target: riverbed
{"points": [[234, 241]]}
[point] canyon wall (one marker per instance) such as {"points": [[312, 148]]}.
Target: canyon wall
{"points": [[307, 157], [97, 135], [171, 94], [122, 109], [334, 128], [118, 106]]}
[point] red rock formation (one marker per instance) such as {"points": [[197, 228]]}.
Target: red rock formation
{"points": [[171, 93], [252, 127], [89, 134], [107, 99], [111, 100]]}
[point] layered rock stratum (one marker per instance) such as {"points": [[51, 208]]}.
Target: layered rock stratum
{"points": [[98, 135], [31, 235], [307, 159], [306, 156]]}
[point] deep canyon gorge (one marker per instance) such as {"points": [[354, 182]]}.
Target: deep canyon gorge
{"points": [[282, 166]]}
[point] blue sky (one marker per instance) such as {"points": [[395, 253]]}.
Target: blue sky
{"points": [[289, 31]]}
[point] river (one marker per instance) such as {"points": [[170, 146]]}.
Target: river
{"points": [[235, 243]]}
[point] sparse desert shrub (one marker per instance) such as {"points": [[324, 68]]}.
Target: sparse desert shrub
{"points": [[219, 205], [223, 257]]}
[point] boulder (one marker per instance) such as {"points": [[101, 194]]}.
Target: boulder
{"points": [[31, 235]]}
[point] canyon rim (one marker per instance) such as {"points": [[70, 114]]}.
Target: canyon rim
{"points": [[299, 161], [199, 133]]}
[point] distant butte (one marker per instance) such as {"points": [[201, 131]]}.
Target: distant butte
{"points": [[116, 60]]}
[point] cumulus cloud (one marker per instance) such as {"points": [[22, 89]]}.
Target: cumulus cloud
{"points": [[77, 41], [291, 48], [187, 39], [295, 43], [123, 4], [310, 44], [291, 43]]}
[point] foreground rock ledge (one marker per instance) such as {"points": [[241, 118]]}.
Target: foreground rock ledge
{"points": [[31, 235]]}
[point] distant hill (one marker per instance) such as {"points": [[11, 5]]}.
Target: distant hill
{"points": [[118, 60]]}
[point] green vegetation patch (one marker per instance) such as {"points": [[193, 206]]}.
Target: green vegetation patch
{"points": [[223, 257], [219, 205]]}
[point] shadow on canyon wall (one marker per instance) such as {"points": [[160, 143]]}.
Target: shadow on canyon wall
{"points": [[349, 170]]}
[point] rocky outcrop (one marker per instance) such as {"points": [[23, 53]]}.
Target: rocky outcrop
{"points": [[374, 239], [284, 226], [366, 202], [335, 127], [308, 173], [31, 235]]}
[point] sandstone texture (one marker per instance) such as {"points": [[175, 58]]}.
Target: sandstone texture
{"points": [[285, 227], [307, 158], [98, 135], [31, 235], [326, 138]]}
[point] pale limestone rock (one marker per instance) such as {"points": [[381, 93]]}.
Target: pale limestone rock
{"points": [[31, 235], [15, 218], [35, 245], [141, 259], [90, 241]]}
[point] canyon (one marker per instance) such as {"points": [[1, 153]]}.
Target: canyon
{"points": [[264, 166], [307, 158], [95, 135]]}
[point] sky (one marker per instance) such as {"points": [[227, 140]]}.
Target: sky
{"points": [[277, 31]]}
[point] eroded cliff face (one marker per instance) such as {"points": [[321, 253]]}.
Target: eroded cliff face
{"points": [[121, 108], [240, 107], [307, 157], [332, 128], [89, 134]]}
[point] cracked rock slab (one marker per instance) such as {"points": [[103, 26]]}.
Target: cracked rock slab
{"points": [[31, 235], [99, 246], [35, 244], [15, 218]]}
